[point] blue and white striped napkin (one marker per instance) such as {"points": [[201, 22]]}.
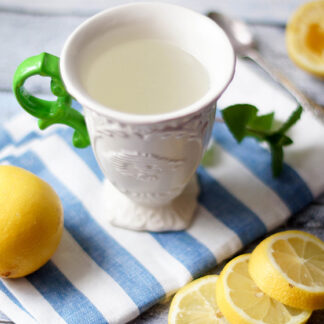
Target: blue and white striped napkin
{"points": [[103, 274]]}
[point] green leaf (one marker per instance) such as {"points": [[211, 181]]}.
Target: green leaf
{"points": [[237, 117], [242, 120], [285, 140], [259, 137], [262, 123], [260, 126], [294, 117], [208, 157], [279, 139], [277, 159]]}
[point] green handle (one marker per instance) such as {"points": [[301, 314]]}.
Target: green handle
{"points": [[49, 112]]}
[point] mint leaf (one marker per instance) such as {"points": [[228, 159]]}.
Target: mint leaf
{"points": [[237, 117], [259, 126], [263, 122], [279, 139], [294, 117], [242, 120], [208, 157]]}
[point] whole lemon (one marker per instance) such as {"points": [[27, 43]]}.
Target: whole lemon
{"points": [[31, 222]]}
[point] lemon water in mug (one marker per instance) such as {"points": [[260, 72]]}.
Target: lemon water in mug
{"points": [[144, 76]]}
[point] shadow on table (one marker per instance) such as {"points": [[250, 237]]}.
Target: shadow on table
{"points": [[317, 317]]}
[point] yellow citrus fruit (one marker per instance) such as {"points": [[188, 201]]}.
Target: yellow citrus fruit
{"points": [[31, 222], [289, 266], [242, 302], [305, 37], [196, 303]]}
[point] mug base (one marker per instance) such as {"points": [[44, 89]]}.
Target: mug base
{"points": [[175, 216]]}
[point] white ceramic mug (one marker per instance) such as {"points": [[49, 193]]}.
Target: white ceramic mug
{"points": [[150, 159]]}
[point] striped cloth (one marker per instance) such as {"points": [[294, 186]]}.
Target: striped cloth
{"points": [[103, 274]]}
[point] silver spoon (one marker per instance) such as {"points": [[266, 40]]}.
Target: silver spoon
{"points": [[245, 46]]}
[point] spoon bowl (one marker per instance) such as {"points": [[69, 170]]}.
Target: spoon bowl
{"points": [[237, 31]]}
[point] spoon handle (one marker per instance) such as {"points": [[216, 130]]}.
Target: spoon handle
{"points": [[305, 102]]}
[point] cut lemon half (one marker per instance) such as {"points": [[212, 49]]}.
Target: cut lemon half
{"points": [[196, 303], [289, 266], [242, 302], [305, 37]]}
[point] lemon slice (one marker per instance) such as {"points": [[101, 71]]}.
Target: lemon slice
{"points": [[289, 266], [242, 302], [196, 303], [305, 37]]}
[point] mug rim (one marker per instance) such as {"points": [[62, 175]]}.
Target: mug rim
{"points": [[90, 103]]}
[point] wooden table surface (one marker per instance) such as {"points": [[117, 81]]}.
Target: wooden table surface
{"points": [[27, 28]]}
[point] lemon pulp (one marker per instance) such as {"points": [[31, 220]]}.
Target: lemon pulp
{"points": [[241, 301], [196, 303], [289, 266], [305, 37]]}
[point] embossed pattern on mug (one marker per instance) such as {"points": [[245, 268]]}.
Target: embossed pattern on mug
{"points": [[145, 76]]}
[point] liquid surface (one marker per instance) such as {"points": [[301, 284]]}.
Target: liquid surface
{"points": [[145, 76]]}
